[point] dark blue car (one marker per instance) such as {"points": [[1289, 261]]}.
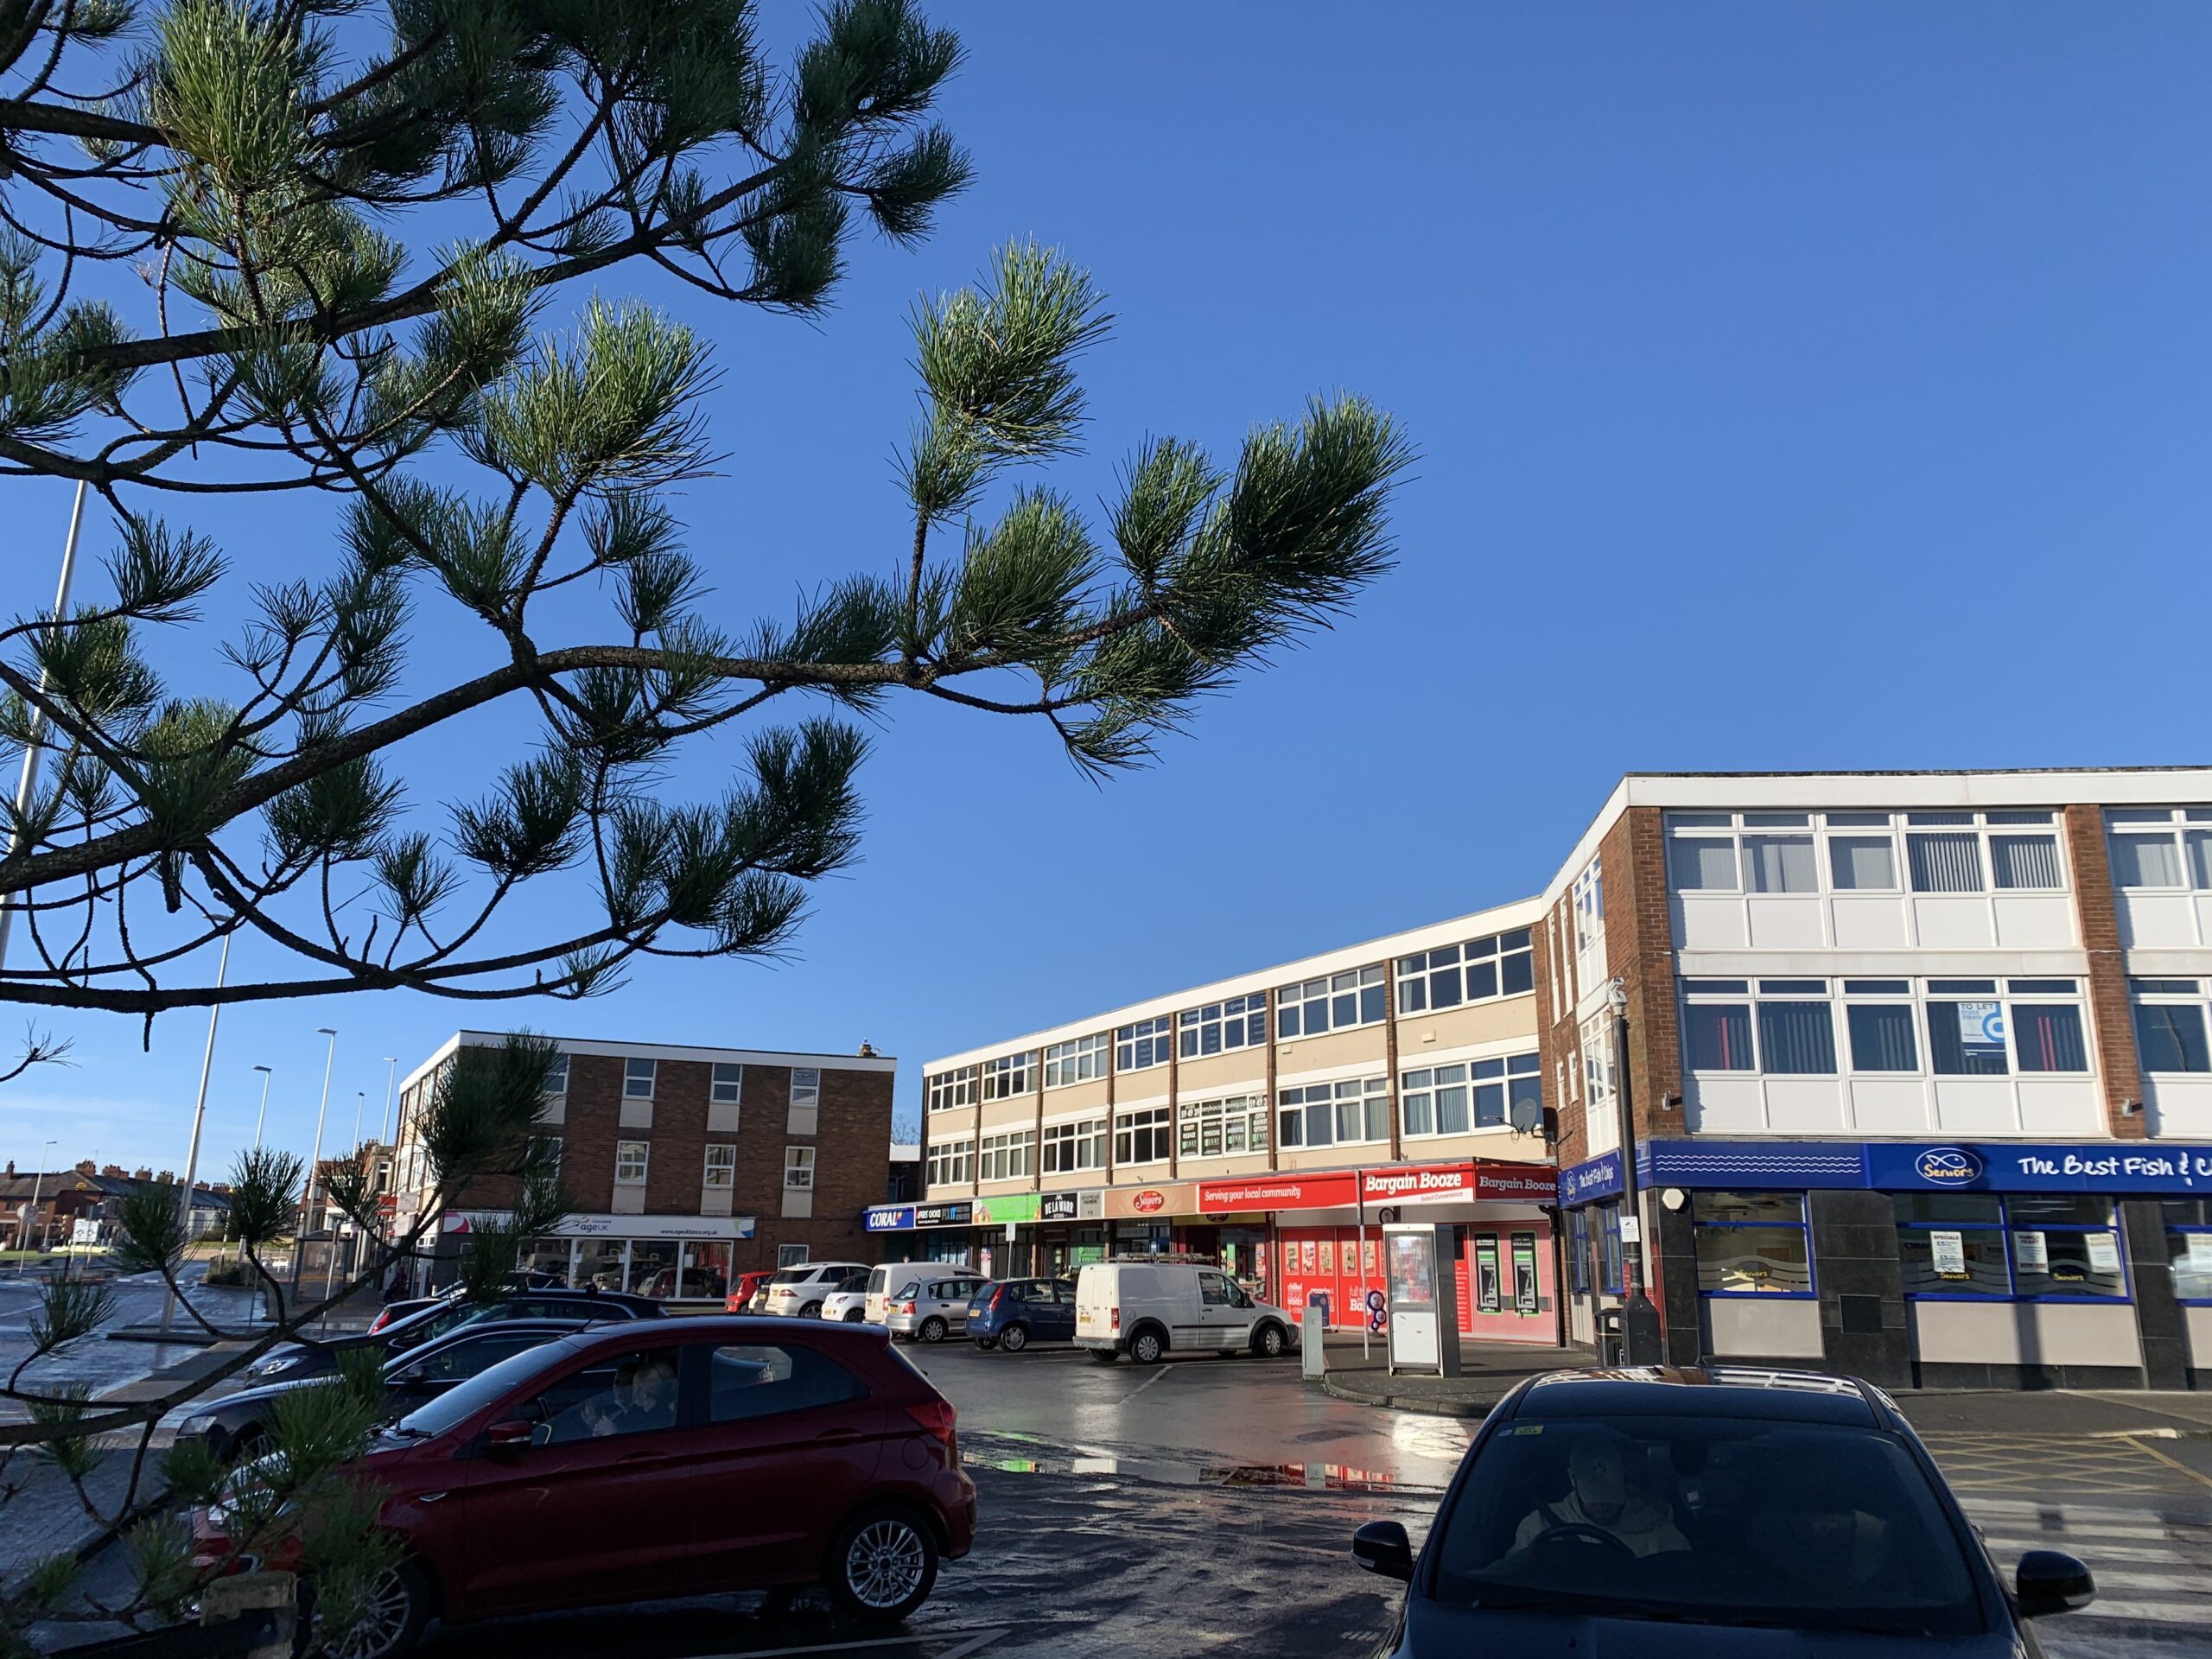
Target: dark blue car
{"points": [[1011, 1313], [1707, 1514]]}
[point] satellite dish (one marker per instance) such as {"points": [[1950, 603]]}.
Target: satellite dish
{"points": [[1528, 1115]]}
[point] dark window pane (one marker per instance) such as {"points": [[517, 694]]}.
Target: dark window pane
{"points": [[1489, 1105], [1372, 1004], [1444, 988], [1947, 1207], [1797, 1040], [1881, 1037], [1481, 981], [1343, 1010], [1719, 1036], [1949, 1055], [1287, 1020], [1945, 863], [2048, 1037], [2170, 1037], [1520, 973], [2067, 1264]]}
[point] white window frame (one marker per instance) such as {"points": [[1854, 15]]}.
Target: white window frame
{"points": [[1597, 1068], [636, 1155], [556, 1076], [1326, 993], [791, 1256], [1143, 1044], [725, 1091], [722, 1165], [798, 1169], [1422, 975], [1080, 1059], [1890, 991], [2172, 991], [949, 1090], [1590, 910], [1498, 1072], [631, 1076], [554, 1140], [950, 1162], [1006, 1156], [1071, 1148], [1239, 1118], [1154, 1123], [1294, 1106], [2175, 825], [1008, 1076], [806, 1085], [1821, 831], [1233, 1023]]}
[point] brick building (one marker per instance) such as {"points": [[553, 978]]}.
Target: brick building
{"points": [[689, 1165], [1917, 1073]]}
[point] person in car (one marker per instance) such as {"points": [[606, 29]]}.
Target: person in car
{"points": [[1815, 1536], [642, 1398], [1599, 1496]]}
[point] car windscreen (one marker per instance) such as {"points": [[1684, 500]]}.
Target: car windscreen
{"points": [[457, 1404], [1790, 1525]]}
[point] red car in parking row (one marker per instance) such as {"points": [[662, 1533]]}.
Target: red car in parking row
{"points": [[664, 1458]]}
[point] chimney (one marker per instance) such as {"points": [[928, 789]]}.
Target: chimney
{"points": [[11, 1166], [88, 1167], [166, 1178], [110, 1169], [142, 1173], [868, 1050]]}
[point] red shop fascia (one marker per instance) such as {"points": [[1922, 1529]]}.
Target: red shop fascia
{"points": [[1504, 1260]]}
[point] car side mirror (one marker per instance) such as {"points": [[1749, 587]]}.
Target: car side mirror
{"points": [[1383, 1547], [2049, 1582], [513, 1436]]}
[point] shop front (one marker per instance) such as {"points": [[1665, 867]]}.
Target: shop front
{"points": [[1956, 1264], [925, 1232], [1327, 1235], [672, 1258]]}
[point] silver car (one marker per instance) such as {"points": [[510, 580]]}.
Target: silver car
{"points": [[931, 1307]]}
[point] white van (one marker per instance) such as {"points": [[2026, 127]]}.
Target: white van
{"points": [[1146, 1309], [798, 1292], [889, 1283]]}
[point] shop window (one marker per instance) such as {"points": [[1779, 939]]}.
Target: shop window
{"points": [[1973, 1246], [1578, 1252], [2189, 1247], [1751, 1244]]}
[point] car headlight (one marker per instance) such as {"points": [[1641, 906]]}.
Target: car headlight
{"points": [[193, 1427]]}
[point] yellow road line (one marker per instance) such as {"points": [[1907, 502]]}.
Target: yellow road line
{"points": [[2170, 1462]]}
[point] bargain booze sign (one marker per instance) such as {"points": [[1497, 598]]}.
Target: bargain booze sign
{"points": [[1406, 1183]]}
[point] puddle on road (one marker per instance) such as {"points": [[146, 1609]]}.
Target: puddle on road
{"points": [[1176, 1471]]}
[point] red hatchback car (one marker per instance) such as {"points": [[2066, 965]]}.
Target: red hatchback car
{"points": [[666, 1457]]}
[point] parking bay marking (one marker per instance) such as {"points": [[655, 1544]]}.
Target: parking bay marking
{"points": [[1149, 1381], [976, 1642]]}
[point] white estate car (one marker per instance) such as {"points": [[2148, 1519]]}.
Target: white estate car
{"points": [[1147, 1309], [849, 1302], [800, 1291]]}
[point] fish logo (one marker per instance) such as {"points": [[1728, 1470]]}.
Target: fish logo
{"points": [[1947, 1167]]}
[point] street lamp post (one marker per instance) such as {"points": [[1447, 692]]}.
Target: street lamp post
{"points": [[1639, 1317], [314, 1159], [27, 786], [261, 1117], [38, 1185], [198, 1116], [390, 1077]]}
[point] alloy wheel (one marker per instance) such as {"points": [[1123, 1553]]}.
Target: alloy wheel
{"points": [[1014, 1339], [383, 1621], [933, 1329], [885, 1563]]}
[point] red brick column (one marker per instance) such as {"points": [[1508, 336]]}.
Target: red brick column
{"points": [[2109, 1006]]}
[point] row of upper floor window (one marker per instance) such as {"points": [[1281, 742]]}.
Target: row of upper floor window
{"points": [[640, 1078], [1955, 852], [1482, 969], [632, 1158], [1431, 1101], [1916, 1027]]}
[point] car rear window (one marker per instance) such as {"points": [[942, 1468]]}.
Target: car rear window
{"points": [[1797, 1525], [749, 1379]]}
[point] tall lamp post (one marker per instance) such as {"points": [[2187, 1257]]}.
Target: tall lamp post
{"points": [[38, 1185], [1641, 1338], [261, 1117], [27, 786], [199, 1117], [390, 1077], [314, 1158]]}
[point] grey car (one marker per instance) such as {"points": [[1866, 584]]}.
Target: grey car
{"points": [[929, 1306]]}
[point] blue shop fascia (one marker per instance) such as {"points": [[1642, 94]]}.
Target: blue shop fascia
{"points": [[1916, 1263]]}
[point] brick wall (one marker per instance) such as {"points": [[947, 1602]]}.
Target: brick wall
{"points": [[1639, 950], [2108, 1007]]}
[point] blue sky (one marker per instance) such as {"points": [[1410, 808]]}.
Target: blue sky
{"points": [[1806, 387]]}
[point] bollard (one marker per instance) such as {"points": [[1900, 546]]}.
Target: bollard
{"points": [[1311, 1363]]}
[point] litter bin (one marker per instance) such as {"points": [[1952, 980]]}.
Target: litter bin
{"points": [[1612, 1345]]}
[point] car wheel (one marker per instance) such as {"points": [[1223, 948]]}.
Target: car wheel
{"points": [[1014, 1338], [810, 1311], [987, 1343], [394, 1611], [883, 1565], [933, 1328], [1104, 1356], [856, 1315], [1268, 1341], [1146, 1347]]}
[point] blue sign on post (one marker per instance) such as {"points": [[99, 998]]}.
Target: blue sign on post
{"points": [[1594, 1177]]}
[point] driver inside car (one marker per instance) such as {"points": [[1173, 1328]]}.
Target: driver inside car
{"points": [[1598, 1497]]}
